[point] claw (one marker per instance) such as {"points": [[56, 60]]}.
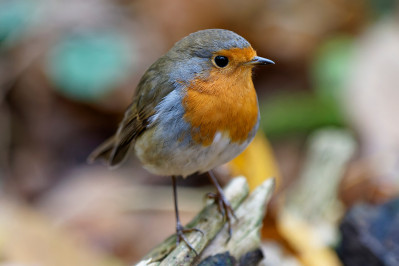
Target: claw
{"points": [[211, 195], [180, 231], [223, 204], [225, 209]]}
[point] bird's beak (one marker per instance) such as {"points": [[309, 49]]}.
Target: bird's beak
{"points": [[257, 60]]}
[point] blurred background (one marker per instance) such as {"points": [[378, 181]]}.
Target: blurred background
{"points": [[329, 128]]}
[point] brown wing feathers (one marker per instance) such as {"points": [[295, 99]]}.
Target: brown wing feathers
{"points": [[150, 91], [114, 149]]}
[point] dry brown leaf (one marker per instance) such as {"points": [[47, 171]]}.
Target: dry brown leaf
{"points": [[28, 238]]}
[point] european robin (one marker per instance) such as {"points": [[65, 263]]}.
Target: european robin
{"points": [[195, 108]]}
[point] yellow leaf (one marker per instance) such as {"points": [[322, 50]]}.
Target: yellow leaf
{"points": [[303, 238], [256, 162]]}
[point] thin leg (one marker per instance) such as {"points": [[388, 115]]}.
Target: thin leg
{"points": [[223, 204], [180, 230]]}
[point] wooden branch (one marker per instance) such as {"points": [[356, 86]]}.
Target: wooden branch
{"points": [[314, 196], [309, 218], [249, 211], [246, 231]]}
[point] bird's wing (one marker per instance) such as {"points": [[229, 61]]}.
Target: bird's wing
{"points": [[153, 87]]}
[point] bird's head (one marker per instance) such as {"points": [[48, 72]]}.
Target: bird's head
{"points": [[215, 51]]}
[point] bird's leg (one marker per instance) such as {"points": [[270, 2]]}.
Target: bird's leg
{"points": [[223, 204], [180, 230]]}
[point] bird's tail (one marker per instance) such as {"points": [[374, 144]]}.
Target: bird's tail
{"points": [[103, 152], [111, 151]]}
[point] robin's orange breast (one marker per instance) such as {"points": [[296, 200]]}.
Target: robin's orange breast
{"points": [[222, 103]]}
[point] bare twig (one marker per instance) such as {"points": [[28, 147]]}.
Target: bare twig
{"points": [[250, 212]]}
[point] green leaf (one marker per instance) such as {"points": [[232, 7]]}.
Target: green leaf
{"points": [[297, 113], [331, 67], [15, 17], [87, 67]]}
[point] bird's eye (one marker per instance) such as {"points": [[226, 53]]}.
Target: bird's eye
{"points": [[221, 61]]}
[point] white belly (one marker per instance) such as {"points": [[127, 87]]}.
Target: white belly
{"points": [[183, 159]]}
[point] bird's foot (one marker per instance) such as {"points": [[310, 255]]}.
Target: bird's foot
{"points": [[224, 208], [180, 231]]}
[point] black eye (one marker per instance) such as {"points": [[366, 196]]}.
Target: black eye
{"points": [[221, 61]]}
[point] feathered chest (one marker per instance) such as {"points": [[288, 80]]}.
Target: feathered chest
{"points": [[221, 104]]}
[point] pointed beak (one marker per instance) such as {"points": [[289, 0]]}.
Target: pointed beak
{"points": [[257, 60]]}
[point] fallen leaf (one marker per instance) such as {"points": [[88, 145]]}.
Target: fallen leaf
{"points": [[256, 162]]}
